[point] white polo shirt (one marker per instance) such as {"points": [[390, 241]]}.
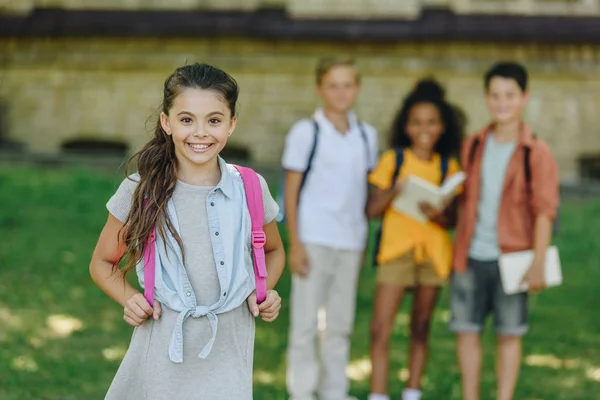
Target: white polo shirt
{"points": [[333, 200]]}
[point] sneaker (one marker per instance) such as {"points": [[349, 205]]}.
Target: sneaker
{"points": [[411, 394]]}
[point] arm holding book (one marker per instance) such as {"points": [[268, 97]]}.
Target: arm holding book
{"points": [[542, 231], [380, 199], [545, 199], [384, 190], [447, 214]]}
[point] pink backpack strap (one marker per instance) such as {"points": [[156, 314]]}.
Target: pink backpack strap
{"points": [[256, 209], [254, 199]]}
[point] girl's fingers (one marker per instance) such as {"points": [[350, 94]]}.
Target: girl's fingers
{"points": [[142, 303], [271, 313], [273, 307], [272, 298], [131, 321], [270, 317], [138, 311], [276, 305], [265, 304], [131, 315], [252, 306], [157, 310]]}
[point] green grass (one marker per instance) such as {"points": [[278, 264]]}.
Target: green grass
{"points": [[62, 338]]}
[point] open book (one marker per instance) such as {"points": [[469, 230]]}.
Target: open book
{"points": [[514, 266], [417, 190]]}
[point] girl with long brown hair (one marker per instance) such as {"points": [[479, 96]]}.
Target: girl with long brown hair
{"points": [[196, 340]]}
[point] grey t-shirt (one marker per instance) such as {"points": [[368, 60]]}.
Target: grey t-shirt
{"points": [[496, 156]]}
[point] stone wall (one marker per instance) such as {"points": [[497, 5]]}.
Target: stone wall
{"points": [[60, 89], [331, 8]]}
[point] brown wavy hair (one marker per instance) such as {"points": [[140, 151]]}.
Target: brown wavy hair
{"points": [[157, 163]]}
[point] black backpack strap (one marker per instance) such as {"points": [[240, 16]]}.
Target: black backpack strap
{"points": [[365, 138], [526, 156], [444, 165], [526, 163], [472, 152], [399, 160], [311, 155]]}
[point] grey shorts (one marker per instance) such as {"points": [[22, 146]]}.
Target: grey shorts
{"points": [[477, 293]]}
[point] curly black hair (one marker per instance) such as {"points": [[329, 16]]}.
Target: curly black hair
{"points": [[430, 91]]}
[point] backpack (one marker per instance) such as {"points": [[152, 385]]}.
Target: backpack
{"points": [[311, 155], [444, 163], [254, 200], [527, 169]]}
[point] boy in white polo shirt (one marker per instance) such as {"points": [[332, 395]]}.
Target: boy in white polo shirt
{"points": [[326, 159]]}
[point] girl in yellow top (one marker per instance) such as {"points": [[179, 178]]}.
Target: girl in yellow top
{"points": [[426, 135]]}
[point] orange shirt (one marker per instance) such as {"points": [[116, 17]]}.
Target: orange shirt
{"points": [[401, 233], [519, 204]]}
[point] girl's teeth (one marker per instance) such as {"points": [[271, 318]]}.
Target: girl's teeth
{"points": [[199, 146]]}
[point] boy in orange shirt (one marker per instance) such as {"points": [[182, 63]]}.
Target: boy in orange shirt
{"points": [[509, 203]]}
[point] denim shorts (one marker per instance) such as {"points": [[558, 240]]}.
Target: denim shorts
{"points": [[477, 293]]}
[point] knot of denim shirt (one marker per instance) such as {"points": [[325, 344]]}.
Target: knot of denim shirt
{"points": [[176, 345]]}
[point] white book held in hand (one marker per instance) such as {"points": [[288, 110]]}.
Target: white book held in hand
{"points": [[514, 266], [417, 190]]}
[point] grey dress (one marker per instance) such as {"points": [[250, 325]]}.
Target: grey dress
{"points": [[146, 372]]}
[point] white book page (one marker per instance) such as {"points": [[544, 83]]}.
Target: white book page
{"points": [[451, 184], [415, 191]]}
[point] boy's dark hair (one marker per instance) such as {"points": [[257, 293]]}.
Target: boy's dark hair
{"points": [[507, 69], [326, 64], [430, 91]]}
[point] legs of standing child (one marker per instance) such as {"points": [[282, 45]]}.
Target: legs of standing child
{"points": [[469, 306], [508, 363], [340, 309], [425, 298], [510, 322], [424, 301], [387, 300], [475, 294], [468, 349], [331, 283], [393, 278], [308, 294]]}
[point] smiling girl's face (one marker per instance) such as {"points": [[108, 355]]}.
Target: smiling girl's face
{"points": [[424, 126], [200, 123]]}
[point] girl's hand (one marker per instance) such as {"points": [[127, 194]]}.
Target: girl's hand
{"points": [[268, 309], [431, 212], [137, 310]]}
